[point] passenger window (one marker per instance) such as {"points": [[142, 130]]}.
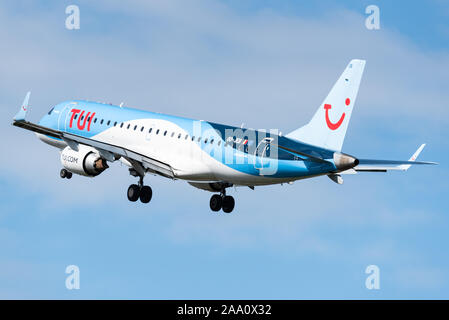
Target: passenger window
{"points": [[142, 129], [109, 122], [129, 125], [179, 136], [211, 141], [135, 127], [51, 110], [95, 120], [121, 125], [172, 134], [101, 122], [165, 133], [151, 129], [157, 132], [199, 139], [115, 123], [76, 116], [205, 140], [193, 138], [187, 136], [82, 117]]}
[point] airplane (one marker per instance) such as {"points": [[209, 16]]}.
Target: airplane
{"points": [[209, 156]]}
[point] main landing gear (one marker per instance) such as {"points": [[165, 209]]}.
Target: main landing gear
{"points": [[65, 174], [222, 201], [139, 191]]}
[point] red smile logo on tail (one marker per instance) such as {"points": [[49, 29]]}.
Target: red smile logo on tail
{"points": [[334, 126]]}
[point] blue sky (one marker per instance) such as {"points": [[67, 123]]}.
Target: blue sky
{"points": [[267, 64]]}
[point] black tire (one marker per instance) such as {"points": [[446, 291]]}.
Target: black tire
{"points": [[228, 204], [69, 175], [63, 173], [146, 194], [215, 202], [133, 192]]}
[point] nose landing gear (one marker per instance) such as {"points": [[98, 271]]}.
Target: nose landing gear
{"points": [[65, 174]]}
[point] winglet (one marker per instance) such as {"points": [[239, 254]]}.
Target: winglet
{"points": [[20, 116], [412, 158]]}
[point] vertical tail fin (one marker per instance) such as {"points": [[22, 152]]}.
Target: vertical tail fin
{"points": [[328, 126]]}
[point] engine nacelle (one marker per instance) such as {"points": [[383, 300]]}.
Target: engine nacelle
{"points": [[344, 161], [86, 161]]}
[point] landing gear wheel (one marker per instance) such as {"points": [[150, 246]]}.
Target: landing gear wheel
{"points": [[63, 173], [215, 202], [69, 175], [228, 204], [145, 194], [133, 192]]}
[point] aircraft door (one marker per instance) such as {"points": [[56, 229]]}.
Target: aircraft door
{"points": [[64, 117]]}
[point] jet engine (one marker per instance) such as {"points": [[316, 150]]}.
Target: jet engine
{"points": [[344, 161], [86, 161]]}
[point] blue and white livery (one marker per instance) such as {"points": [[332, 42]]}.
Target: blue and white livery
{"points": [[207, 155]]}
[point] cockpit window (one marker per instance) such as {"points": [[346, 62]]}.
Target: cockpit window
{"points": [[51, 110]]}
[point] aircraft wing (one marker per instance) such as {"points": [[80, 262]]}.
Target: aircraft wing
{"points": [[372, 165], [109, 151]]}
